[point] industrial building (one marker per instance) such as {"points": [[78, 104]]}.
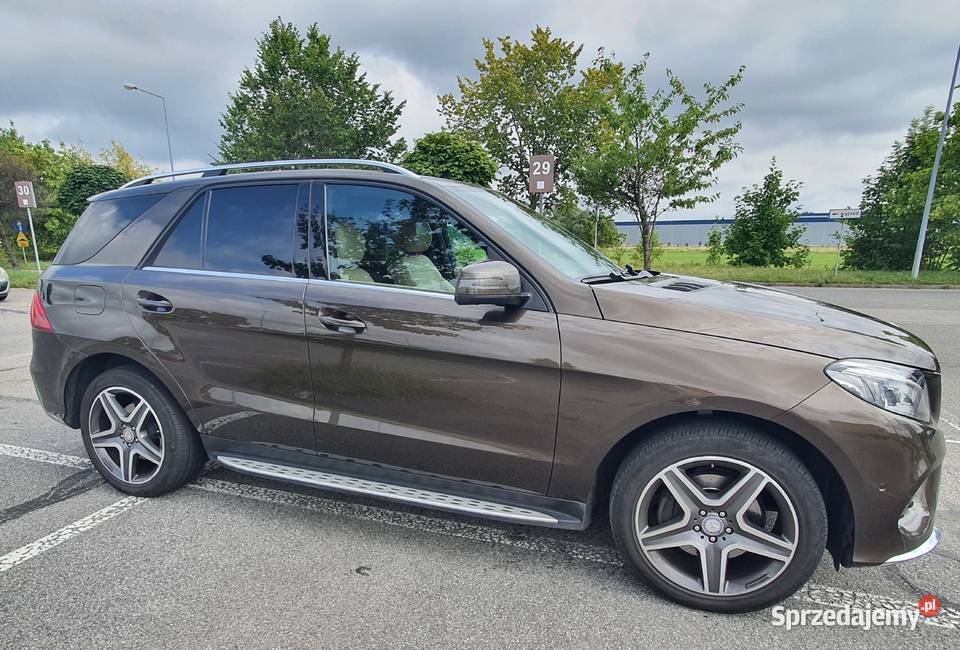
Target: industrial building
{"points": [[819, 230]]}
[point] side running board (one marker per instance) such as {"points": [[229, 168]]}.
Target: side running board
{"points": [[415, 496]]}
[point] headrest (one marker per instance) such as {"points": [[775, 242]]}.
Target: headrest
{"points": [[415, 236], [348, 242]]}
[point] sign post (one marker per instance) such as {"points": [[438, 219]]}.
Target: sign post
{"points": [[842, 216], [22, 240], [541, 173], [27, 199]]}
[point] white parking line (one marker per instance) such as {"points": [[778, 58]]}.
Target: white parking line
{"points": [[605, 555], [42, 456], [58, 537]]}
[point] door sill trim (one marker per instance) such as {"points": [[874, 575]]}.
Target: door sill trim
{"points": [[470, 505]]}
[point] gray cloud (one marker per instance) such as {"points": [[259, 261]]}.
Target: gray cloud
{"points": [[829, 85]]}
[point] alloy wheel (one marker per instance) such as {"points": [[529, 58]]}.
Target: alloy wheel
{"points": [[126, 435], [717, 526]]}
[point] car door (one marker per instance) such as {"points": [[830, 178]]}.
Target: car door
{"points": [[220, 304], [405, 377]]}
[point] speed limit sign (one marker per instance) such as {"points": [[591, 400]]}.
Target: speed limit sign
{"points": [[541, 173], [27, 199], [25, 196]]}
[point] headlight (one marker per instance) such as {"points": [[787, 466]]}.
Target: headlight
{"points": [[896, 388]]}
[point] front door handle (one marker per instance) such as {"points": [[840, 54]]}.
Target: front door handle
{"points": [[153, 302], [344, 323]]}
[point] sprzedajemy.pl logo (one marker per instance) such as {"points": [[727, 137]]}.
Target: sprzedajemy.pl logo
{"points": [[863, 618]]}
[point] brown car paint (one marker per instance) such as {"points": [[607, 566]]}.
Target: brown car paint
{"points": [[530, 400]]}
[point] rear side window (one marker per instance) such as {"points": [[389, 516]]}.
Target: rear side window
{"points": [[99, 224], [184, 247], [251, 229]]}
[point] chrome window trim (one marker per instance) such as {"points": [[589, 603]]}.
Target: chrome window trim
{"points": [[383, 287], [225, 274]]}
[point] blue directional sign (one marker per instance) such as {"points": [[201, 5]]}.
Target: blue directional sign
{"points": [[19, 226]]}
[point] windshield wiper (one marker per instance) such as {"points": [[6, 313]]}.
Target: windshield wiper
{"points": [[629, 273]]}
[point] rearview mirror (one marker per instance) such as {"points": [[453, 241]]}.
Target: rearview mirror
{"points": [[490, 283]]}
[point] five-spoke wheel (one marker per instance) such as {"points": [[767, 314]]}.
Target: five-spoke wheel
{"points": [[738, 523], [126, 434], [719, 516]]}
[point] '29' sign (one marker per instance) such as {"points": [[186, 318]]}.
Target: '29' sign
{"points": [[541, 173]]}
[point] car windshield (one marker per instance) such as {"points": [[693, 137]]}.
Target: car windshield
{"points": [[559, 248]]}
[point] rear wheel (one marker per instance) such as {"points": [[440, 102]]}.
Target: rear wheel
{"points": [[717, 516], [136, 434]]}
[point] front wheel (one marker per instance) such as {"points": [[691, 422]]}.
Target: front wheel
{"points": [[717, 516]]}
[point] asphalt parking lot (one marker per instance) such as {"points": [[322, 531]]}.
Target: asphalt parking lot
{"points": [[234, 561]]}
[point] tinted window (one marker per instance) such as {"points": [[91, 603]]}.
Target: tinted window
{"points": [[99, 224], [386, 236], [184, 247], [251, 229]]}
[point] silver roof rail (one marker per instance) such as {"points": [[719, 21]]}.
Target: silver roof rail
{"points": [[220, 170]]}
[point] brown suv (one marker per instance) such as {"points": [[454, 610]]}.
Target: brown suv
{"points": [[426, 341]]}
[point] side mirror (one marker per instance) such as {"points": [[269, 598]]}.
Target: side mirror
{"points": [[490, 283]]}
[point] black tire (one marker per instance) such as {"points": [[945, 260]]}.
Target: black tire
{"points": [[641, 474], [3, 297], [183, 454]]}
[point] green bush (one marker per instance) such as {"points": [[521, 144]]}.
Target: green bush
{"points": [[761, 232], [448, 155], [54, 232], [84, 181], [715, 250]]}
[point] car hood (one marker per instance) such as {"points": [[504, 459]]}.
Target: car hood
{"points": [[751, 313]]}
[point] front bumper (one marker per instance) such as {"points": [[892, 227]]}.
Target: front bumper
{"points": [[921, 550], [883, 460]]}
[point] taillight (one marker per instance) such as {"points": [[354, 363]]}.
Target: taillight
{"points": [[38, 315]]}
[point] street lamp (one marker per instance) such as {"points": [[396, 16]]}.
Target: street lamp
{"points": [[166, 126], [918, 255]]}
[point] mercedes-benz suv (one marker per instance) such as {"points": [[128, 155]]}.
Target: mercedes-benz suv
{"points": [[426, 341]]}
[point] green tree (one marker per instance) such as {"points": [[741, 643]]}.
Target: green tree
{"points": [[119, 158], [659, 151], [583, 223], [49, 166], [450, 155], [83, 182], [885, 237], [11, 169], [761, 232], [304, 99], [527, 99]]}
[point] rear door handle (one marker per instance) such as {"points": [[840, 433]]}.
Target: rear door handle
{"points": [[346, 325], [152, 302]]}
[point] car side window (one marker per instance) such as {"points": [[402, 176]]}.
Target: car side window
{"points": [[386, 236], [251, 229], [183, 248]]}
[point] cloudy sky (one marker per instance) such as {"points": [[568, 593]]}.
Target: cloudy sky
{"points": [[829, 85]]}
